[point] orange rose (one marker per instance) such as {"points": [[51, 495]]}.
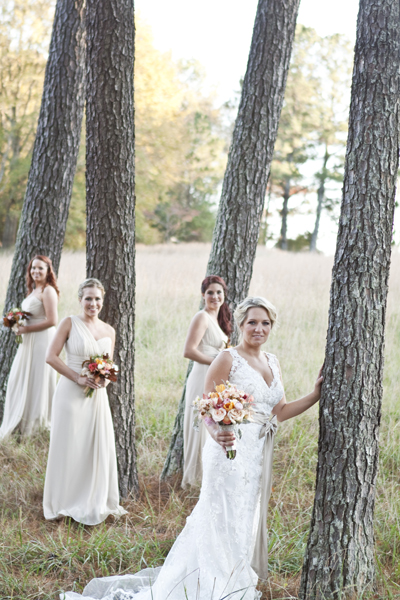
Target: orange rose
{"points": [[228, 406]]}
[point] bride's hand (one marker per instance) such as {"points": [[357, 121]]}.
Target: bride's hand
{"points": [[318, 383], [223, 437]]}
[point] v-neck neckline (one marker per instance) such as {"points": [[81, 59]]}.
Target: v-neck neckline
{"points": [[87, 328], [215, 323], [258, 372]]}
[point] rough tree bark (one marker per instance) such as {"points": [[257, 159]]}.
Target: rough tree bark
{"points": [[110, 192], [243, 193], [339, 559], [48, 194]]}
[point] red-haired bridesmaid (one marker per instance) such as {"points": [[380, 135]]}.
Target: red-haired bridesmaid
{"points": [[208, 334], [32, 382]]}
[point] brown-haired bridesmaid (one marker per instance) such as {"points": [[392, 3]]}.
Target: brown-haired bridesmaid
{"points": [[32, 382], [208, 333]]}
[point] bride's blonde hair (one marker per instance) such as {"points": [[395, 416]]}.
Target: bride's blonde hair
{"points": [[243, 308], [91, 282]]}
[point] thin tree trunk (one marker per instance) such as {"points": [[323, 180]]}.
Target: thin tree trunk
{"points": [[320, 199], [174, 461], [243, 192], [339, 559], [283, 245], [48, 194], [110, 181]]}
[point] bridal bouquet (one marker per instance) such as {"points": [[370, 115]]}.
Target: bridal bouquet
{"points": [[228, 407], [16, 318], [97, 368]]}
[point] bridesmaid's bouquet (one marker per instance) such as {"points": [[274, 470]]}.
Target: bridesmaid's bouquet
{"points": [[16, 318], [228, 407], [97, 368]]}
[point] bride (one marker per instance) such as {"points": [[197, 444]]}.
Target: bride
{"points": [[222, 551]]}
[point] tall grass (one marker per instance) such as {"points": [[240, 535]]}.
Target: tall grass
{"points": [[38, 558]]}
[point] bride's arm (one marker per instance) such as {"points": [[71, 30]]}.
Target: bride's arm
{"points": [[53, 356], [286, 410], [218, 373]]}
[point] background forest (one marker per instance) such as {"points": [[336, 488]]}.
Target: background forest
{"points": [[183, 136]]}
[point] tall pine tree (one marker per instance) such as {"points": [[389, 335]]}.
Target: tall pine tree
{"points": [[48, 194], [339, 560], [243, 193], [110, 194]]}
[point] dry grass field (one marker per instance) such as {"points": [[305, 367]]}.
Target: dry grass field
{"points": [[38, 559]]}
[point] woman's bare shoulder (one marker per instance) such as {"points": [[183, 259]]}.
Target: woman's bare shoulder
{"points": [[64, 327], [223, 360], [200, 317], [49, 292]]}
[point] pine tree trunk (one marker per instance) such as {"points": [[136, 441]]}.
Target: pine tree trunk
{"points": [[283, 245], [339, 559], [174, 461], [320, 199], [48, 194], [243, 192], [110, 191]]}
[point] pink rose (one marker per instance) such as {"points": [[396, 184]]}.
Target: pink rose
{"points": [[236, 416], [218, 414]]}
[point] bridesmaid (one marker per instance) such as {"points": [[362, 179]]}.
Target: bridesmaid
{"points": [[208, 334], [81, 477], [32, 382]]}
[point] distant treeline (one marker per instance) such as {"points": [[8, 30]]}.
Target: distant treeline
{"points": [[182, 137]]}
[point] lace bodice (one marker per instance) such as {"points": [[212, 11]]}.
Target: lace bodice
{"points": [[252, 382]]}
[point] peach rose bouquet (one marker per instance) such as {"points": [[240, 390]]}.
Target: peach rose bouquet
{"points": [[227, 407], [97, 368]]}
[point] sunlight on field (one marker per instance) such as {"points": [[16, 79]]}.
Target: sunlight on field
{"points": [[168, 281]]}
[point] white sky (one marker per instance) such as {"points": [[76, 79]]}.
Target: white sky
{"points": [[218, 34]]}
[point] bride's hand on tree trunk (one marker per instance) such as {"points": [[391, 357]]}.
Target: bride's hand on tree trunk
{"points": [[318, 383]]}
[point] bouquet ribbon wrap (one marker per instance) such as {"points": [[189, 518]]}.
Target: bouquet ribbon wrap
{"points": [[259, 562]]}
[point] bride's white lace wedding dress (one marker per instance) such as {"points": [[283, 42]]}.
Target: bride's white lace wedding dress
{"points": [[212, 557]]}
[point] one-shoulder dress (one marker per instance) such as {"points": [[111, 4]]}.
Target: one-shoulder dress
{"points": [[32, 382], [213, 341], [81, 477]]}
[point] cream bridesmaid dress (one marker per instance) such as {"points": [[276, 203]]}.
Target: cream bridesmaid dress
{"points": [[32, 382], [81, 477], [213, 341]]}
